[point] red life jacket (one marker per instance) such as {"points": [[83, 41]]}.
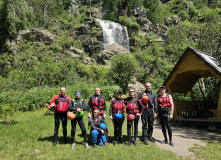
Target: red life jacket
{"points": [[163, 102], [132, 108], [62, 106], [97, 104], [118, 107]]}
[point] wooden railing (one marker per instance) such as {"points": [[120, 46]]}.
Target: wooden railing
{"points": [[190, 109]]}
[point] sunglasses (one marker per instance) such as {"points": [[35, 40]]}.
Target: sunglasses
{"points": [[95, 112]]}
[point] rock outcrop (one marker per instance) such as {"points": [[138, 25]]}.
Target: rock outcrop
{"points": [[109, 52], [35, 35]]}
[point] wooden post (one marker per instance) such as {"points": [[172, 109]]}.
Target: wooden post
{"points": [[218, 113], [192, 95]]}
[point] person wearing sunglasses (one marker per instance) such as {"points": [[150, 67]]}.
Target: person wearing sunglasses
{"points": [[98, 129]]}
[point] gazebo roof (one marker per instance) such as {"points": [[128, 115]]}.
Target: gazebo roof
{"points": [[192, 65]]}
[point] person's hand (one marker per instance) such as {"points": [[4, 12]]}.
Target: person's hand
{"points": [[155, 115], [102, 131], [111, 117], [106, 133], [112, 99], [138, 114], [89, 115], [171, 116], [79, 110]]}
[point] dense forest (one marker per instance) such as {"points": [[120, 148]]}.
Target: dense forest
{"points": [[38, 39]]}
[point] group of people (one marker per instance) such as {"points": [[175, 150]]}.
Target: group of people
{"points": [[146, 104]]}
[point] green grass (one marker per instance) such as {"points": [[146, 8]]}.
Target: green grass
{"points": [[34, 130]]}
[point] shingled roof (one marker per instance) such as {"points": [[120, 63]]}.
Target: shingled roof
{"points": [[192, 65]]}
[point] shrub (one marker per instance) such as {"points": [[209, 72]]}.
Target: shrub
{"points": [[183, 15]]}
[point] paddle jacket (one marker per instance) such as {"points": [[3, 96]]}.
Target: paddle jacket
{"points": [[76, 103], [134, 105], [96, 124], [97, 102], [152, 103], [163, 102], [117, 105], [61, 101]]}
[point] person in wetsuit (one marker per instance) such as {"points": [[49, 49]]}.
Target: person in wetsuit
{"points": [[165, 113], [77, 105], [134, 108], [149, 114], [61, 101], [116, 115]]}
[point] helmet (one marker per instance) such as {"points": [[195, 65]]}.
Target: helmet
{"points": [[78, 114], [71, 115], [103, 126], [118, 116], [131, 117], [145, 99]]}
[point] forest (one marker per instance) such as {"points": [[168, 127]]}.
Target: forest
{"points": [[32, 70]]}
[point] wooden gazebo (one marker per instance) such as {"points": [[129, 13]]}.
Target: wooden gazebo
{"points": [[192, 66]]}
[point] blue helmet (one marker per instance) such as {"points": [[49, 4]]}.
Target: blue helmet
{"points": [[118, 116], [103, 126]]}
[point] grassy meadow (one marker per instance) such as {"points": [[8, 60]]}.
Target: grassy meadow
{"points": [[30, 136]]}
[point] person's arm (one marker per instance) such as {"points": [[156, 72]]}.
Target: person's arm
{"points": [[142, 106], [110, 110], [172, 107], [69, 98], [89, 108], [93, 126], [155, 104], [70, 107], [104, 114], [140, 95], [54, 99]]}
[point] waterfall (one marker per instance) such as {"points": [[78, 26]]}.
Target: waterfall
{"points": [[114, 33]]}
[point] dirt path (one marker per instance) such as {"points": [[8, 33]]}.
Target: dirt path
{"points": [[183, 138]]}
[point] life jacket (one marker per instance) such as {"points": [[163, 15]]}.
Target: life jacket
{"points": [[118, 107], [163, 102], [97, 104], [145, 100], [132, 108], [77, 104], [62, 104]]}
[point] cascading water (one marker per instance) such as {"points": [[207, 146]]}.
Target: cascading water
{"points": [[114, 33]]}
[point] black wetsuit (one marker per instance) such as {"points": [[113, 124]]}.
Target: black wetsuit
{"points": [[148, 114], [60, 117], [73, 106], [129, 123], [164, 115], [117, 122]]}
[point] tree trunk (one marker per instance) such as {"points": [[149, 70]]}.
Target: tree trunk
{"points": [[202, 87]]}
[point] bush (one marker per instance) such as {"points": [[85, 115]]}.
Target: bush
{"points": [[183, 15], [129, 22]]}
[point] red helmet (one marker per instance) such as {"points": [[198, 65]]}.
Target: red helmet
{"points": [[130, 117], [71, 115], [145, 99]]}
